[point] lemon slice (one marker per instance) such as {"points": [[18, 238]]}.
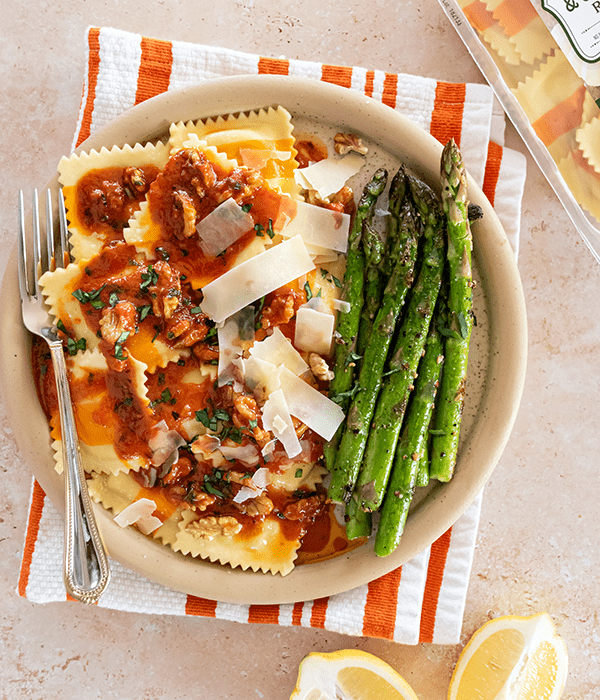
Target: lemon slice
{"points": [[349, 675], [512, 658]]}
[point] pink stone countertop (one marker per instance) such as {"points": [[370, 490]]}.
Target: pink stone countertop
{"points": [[538, 543]]}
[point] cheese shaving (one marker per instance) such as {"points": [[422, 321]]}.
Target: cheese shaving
{"points": [[329, 176], [278, 350], [248, 282], [140, 513], [223, 226], [277, 419], [314, 330], [310, 406], [319, 227]]}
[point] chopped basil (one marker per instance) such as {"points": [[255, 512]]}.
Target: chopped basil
{"points": [[298, 473], [73, 346], [143, 311], [87, 297], [246, 207], [308, 291], [270, 231], [150, 277], [119, 345]]}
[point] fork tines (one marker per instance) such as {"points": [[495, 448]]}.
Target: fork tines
{"points": [[55, 252]]}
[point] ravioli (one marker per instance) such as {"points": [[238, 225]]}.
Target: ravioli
{"points": [[183, 396]]}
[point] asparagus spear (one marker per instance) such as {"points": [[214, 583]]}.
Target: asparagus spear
{"points": [[348, 323], [358, 522], [356, 432], [392, 401], [412, 448], [373, 247], [380, 258], [450, 402], [423, 472]]}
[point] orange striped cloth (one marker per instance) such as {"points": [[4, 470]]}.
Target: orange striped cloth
{"points": [[423, 601]]}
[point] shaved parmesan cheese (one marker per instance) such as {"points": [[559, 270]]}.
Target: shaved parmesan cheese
{"points": [[140, 513], [223, 226], [310, 406], [244, 284], [261, 478], [164, 443], [278, 350], [245, 494], [248, 454], [236, 334], [269, 448], [319, 226], [277, 419], [329, 176], [340, 305], [260, 373], [314, 330]]}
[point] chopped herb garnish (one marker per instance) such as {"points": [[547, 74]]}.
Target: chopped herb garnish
{"points": [[221, 414], [113, 299], [166, 397], [195, 310], [202, 417], [298, 473], [61, 326], [143, 311], [73, 346], [150, 277], [270, 231], [308, 291], [246, 207], [87, 297], [259, 228], [119, 345]]}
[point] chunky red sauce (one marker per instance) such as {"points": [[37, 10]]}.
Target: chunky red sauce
{"points": [[131, 304], [107, 197]]}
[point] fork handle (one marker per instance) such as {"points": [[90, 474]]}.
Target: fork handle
{"points": [[86, 570]]}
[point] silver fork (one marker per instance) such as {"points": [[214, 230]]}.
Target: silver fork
{"points": [[86, 570]]}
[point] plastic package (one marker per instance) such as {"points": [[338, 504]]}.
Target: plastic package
{"points": [[547, 90]]}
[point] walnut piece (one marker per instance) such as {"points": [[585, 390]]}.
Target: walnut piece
{"points": [[211, 526], [344, 143], [117, 319], [319, 367], [254, 507]]}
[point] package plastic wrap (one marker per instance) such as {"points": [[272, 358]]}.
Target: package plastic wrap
{"points": [[547, 90]]}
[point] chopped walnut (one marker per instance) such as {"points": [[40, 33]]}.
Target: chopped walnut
{"points": [[116, 320], [184, 203], [211, 526], [206, 353], [166, 292], [342, 201], [255, 507], [279, 311], [344, 143], [304, 508], [246, 410], [134, 178], [320, 368]]}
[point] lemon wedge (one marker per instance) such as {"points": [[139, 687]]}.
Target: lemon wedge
{"points": [[512, 658], [349, 674]]}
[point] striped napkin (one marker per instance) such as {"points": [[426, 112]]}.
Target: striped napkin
{"points": [[422, 601]]}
